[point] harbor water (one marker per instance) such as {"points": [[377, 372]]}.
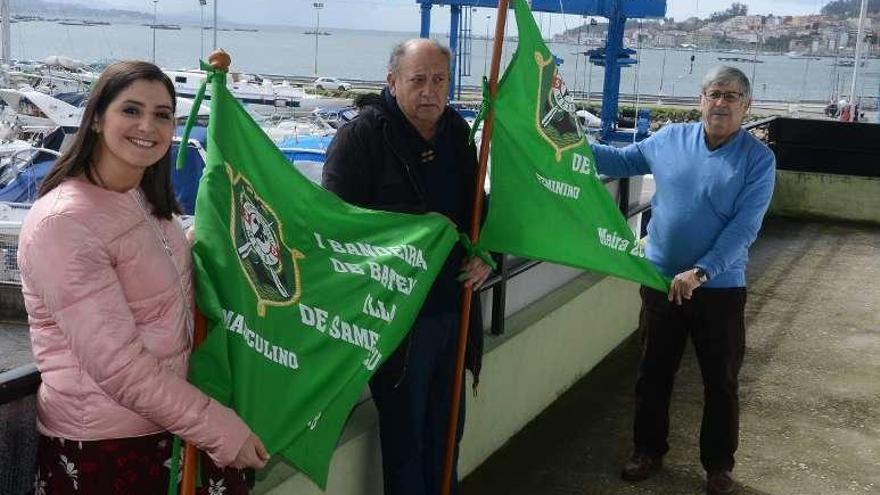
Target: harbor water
{"points": [[362, 54]]}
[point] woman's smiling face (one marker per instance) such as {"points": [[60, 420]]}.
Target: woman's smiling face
{"points": [[136, 130]]}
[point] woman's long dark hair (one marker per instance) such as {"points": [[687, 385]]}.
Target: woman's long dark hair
{"points": [[77, 160]]}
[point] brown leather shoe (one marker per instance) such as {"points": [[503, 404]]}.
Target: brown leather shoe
{"points": [[640, 467], [720, 482]]}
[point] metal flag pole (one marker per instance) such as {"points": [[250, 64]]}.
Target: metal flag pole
{"points": [[220, 60], [477, 214]]}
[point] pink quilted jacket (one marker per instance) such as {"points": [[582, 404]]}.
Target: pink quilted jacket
{"points": [[108, 293]]}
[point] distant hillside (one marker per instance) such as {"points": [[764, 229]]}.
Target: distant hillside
{"points": [[849, 8], [55, 10], [52, 9]]}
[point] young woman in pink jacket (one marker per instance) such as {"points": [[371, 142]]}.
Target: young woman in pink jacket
{"points": [[106, 277]]}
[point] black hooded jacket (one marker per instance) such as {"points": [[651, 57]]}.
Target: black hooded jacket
{"points": [[372, 162]]}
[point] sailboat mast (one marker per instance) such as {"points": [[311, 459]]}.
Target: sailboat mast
{"points": [[7, 52], [857, 60]]}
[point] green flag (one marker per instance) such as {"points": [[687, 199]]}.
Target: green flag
{"points": [[547, 201], [305, 295]]}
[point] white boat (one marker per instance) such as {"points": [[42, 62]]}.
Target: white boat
{"points": [[184, 107], [63, 62], [52, 75], [28, 118], [295, 130], [28, 107], [588, 119], [9, 147], [848, 62], [61, 81], [50, 84], [250, 90], [802, 56]]}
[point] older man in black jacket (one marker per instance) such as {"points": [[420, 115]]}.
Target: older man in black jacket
{"points": [[409, 152]]}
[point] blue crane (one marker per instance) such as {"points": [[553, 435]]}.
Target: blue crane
{"points": [[616, 11]]}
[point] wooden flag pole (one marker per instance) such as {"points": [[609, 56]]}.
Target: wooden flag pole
{"points": [[468, 293], [190, 453], [220, 60]]}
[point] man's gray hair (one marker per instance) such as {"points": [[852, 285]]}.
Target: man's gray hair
{"points": [[726, 75], [400, 49]]}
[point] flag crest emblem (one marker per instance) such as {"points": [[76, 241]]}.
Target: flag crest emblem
{"points": [[556, 120], [270, 266]]}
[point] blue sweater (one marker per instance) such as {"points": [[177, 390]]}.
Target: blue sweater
{"points": [[708, 206]]}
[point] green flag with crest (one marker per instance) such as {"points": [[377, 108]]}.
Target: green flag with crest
{"points": [[305, 295], [547, 201]]}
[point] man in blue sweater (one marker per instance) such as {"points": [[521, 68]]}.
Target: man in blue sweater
{"points": [[714, 183]]}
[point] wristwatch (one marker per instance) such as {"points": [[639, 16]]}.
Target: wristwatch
{"points": [[701, 274]]}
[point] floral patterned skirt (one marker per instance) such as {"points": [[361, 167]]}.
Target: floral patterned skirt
{"points": [[130, 466]]}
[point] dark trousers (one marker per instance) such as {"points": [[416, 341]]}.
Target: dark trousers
{"points": [[714, 319], [414, 410]]}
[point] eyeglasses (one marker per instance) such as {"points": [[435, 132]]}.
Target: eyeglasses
{"points": [[729, 96]]}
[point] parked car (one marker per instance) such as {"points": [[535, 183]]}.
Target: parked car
{"points": [[332, 83]]}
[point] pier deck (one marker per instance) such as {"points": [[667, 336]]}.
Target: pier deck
{"points": [[810, 388]]}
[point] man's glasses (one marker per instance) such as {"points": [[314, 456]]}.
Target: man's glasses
{"points": [[728, 96]]}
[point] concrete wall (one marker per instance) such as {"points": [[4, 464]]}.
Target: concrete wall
{"points": [[548, 346], [832, 196]]}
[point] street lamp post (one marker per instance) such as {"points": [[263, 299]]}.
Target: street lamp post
{"points": [[215, 24], [486, 44], [202, 4], [590, 32], [318, 6], [155, 22]]}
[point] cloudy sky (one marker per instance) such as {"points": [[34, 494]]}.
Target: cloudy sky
{"points": [[403, 15]]}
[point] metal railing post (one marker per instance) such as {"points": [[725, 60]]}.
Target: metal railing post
{"points": [[499, 298], [623, 195]]}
